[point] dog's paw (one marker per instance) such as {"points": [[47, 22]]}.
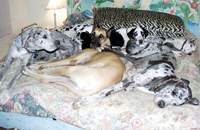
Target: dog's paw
{"points": [[99, 49], [4, 97], [36, 67], [25, 70]]}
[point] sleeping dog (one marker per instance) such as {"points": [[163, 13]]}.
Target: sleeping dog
{"points": [[153, 44], [22, 48], [85, 73], [156, 74]]}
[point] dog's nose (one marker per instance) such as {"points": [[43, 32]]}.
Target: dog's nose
{"points": [[140, 41], [57, 42], [161, 104], [94, 44]]}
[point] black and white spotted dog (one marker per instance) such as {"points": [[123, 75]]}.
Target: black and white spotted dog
{"points": [[153, 44], [156, 74], [80, 33], [118, 38]]}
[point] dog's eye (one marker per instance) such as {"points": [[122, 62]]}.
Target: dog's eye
{"points": [[135, 34], [142, 33], [93, 34], [100, 36], [174, 92], [44, 36]]}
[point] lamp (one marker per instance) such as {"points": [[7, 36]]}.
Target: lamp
{"points": [[54, 5]]}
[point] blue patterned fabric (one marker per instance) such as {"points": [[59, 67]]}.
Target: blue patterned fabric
{"points": [[23, 103]]}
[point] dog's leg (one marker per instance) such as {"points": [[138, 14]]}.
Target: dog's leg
{"points": [[5, 95], [60, 80], [5, 68], [80, 102]]}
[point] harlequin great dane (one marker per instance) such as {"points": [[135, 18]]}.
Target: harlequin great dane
{"points": [[153, 44], [85, 73], [22, 48]]}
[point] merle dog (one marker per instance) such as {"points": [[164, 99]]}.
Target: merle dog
{"points": [[68, 47], [23, 47], [156, 74]]}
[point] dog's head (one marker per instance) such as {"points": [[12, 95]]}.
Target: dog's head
{"points": [[137, 33], [36, 38], [175, 93], [183, 45], [100, 38], [189, 46], [132, 48]]}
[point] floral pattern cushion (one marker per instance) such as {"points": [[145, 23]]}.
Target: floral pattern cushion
{"points": [[24, 103]]}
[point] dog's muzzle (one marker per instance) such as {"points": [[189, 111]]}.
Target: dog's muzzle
{"points": [[57, 43], [95, 43]]}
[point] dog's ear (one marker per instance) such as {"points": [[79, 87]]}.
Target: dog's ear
{"points": [[185, 81], [130, 33], [194, 101], [27, 36], [108, 32], [192, 39], [85, 35], [95, 26]]}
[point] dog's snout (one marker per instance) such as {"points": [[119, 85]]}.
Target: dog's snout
{"points": [[161, 104], [94, 43], [140, 42]]}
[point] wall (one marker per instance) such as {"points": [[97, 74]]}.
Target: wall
{"points": [[26, 12]]}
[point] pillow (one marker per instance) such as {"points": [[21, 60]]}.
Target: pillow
{"points": [[157, 23]]}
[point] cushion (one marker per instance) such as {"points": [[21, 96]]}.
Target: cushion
{"points": [[157, 23]]}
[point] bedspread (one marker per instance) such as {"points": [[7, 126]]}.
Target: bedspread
{"points": [[122, 110]]}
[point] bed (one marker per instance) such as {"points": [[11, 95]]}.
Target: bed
{"points": [[123, 110]]}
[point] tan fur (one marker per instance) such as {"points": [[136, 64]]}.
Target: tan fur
{"points": [[84, 74], [103, 41]]}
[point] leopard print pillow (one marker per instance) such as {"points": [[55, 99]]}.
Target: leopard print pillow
{"points": [[157, 23]]}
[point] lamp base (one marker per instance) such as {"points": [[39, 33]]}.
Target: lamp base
{"points": [[55, 19]]}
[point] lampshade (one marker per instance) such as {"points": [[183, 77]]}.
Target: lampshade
{"points": [[54, 4]]}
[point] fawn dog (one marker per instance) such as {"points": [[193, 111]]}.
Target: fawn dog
{"points": [[85, 73]]}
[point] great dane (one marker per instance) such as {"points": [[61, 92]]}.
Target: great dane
{"points": [[68, 47], [22, 48], [153, 44]]}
